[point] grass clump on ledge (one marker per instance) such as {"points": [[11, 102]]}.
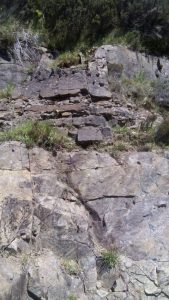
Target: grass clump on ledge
{"points": [[37, 133], [162, 134], [110, 258], [71, 267], [72, 297], [7, 91], [67, 59], [107, 260], [138, 88]]}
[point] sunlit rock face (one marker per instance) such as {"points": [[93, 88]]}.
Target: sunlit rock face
{"points": [[85, 223]]}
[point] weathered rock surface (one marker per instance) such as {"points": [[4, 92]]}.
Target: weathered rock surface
{"points": [[66, 209], [10, 72], [71, 207], [78, 97]]}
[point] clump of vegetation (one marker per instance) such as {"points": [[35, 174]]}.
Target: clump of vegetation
{"points": [[118, 36], [7, 91], [110, 258], [118, 147], [126, 138], [138, 88], [107, 261], [37, 133], [67, 59], [8, 30], [121, 129], [72, 297], [162, 134], [161, 91], [71, 266]]}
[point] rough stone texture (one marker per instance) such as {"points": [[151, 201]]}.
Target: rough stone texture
{"points": [[88, 135], [13, 279], [10, 72], [78, 97], [128, 62], [73, 206]]}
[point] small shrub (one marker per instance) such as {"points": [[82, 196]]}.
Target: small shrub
{"points": [[138, 88], [107, 261], [130, 39], [67, 59], [133, 40], [115, 37], [37, 133], [71, 267], [162, 134], [110, 258], [120, 146], [72, 297], [121, 129], [7, 91], [146, 147], [161, 91], [8, 30]]}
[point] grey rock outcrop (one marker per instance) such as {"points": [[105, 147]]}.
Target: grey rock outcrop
{"points": [[72, 207], [11, 73], [61, 212]]}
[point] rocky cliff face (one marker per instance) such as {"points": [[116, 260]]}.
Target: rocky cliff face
{"points": [[82, 224]]}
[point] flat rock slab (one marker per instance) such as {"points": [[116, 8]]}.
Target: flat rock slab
{"points": [[70, 84], [87, 135]]}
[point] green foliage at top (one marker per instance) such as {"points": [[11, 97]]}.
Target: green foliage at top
{"points": [[37, 133], [143, 24], [70, 21]]}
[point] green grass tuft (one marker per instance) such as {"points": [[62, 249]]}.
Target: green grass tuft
{"points": [[107, 261], [72, 297], [7, 91], [67, 59], [71, 266], [162, 134], [138, 88], [37, 133], [110, 258]]}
